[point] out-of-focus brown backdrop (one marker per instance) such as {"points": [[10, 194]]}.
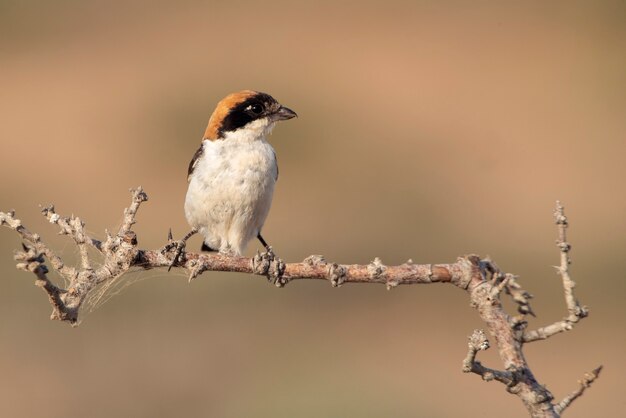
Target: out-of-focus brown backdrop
{"points": [[427, 130]]}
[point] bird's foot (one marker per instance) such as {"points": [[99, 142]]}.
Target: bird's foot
{"points": [[269, 265], [178, 246]]}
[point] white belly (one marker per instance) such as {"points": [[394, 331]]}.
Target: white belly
{"points": [[230, 192]]}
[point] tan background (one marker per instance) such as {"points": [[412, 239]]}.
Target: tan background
{"points": [[427, 130]]}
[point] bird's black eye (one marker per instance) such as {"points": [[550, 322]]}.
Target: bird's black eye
{"points": [[256, 108]]}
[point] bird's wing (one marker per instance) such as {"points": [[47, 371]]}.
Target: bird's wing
{"points": [[194, 161], [275, 159]]}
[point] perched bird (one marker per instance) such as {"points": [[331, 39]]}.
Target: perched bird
{"points": [[232, 175]]}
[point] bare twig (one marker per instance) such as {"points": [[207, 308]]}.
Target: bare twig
{"points": [[139, 196], [509, 283], [119, 255], [478, 342], [481, 278], [30, 260], [71, 226], [576, 312], [583, 383]]}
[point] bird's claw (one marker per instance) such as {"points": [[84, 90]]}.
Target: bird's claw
{"points": [[179, 247]]}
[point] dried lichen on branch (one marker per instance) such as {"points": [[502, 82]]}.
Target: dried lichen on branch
{"points": [[481, 278]]}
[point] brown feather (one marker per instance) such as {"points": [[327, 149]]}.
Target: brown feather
{"points": [[222, 110]]}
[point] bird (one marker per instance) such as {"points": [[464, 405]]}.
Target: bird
{"points": [[231, 177]]}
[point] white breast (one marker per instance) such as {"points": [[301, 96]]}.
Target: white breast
{"points": [[230, 192]]}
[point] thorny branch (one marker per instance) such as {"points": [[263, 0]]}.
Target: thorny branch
{"points": [[481, 278]]}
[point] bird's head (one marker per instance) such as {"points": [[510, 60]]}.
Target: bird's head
{"points": [[246, 115]]}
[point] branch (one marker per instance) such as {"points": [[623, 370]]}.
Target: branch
{"points": [[576, 312], [584, 383], [481, 278], [119, 254], [478, 342]]}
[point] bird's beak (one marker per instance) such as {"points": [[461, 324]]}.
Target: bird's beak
{"points": [[284, 113]]}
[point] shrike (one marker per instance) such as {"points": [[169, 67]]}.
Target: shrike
{"points": [[232, 175]]}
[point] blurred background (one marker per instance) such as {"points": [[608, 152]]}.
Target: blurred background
{"points": [[427, 130]]}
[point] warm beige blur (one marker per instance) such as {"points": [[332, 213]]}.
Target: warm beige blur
{"points": [[426, 130]]}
